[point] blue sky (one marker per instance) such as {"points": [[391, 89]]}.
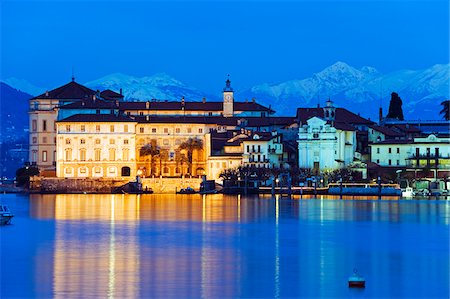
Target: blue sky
{"points": [[201, 42]]}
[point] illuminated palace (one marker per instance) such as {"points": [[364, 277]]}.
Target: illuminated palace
{"points": [[77, 132]]}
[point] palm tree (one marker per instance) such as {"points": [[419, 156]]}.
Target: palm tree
{"points": [[150, 150], [445, 109], [190, 145], [163, 156]]}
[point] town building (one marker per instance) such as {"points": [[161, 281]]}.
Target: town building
{"points": [[430, 153], [100, 135], [331, 137]]}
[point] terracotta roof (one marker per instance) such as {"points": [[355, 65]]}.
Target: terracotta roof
{"points": [[70, 91], [386, 131], [406, 128], [172, 105], [111, 95], [342, 116], [97, 118]]}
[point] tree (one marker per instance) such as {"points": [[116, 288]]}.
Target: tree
{"points": [[190, 145], [395, 107], [150, 150], [445, 109], [23, 175]]}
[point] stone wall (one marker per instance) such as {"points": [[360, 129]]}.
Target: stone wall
{"points": [[101, 185]]}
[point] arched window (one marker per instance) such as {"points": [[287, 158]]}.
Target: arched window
{"points": [[82, 154], [68, 141], [97, 154], [125, 154], [126, 171], [166, 170], [69, 154], [112, 154]]}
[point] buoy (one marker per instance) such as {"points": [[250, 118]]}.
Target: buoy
{"points": [[356, 280]]}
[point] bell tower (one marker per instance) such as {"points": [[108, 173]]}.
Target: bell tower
{"points": [[329, 111], [228, 99]]}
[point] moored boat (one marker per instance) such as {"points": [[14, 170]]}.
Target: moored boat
{"points": [[356, 280], [5, 215]]}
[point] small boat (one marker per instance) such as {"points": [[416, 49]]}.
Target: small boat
{"points": [[356, 280], [5, 215], [408, 192], [187, 190]]}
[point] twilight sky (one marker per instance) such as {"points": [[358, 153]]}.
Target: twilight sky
{"points": [[200, 42]]}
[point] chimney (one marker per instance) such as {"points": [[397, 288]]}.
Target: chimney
{"points": [[253, 100], [147, 105], [204, 100], [121, 91], [182, 101], [318, 105], [246, 100], [46, 93]]}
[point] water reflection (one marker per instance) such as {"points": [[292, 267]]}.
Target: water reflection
{"points": [[166, 246]]}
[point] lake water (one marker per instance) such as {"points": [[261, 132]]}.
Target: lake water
{"points": [[216, 246]]}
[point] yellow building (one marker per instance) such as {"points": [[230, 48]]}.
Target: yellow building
{"points": [[97, 134]]}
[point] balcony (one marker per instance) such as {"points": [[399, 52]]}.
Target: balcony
{"points": [[428, 156]]}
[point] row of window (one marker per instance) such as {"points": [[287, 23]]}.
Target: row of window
{"points": [[389, 162], [97, 154], [44, 156], [168, 131], [389, 150], [34, 125], [97, 141], [98, 128], [44, 140]]}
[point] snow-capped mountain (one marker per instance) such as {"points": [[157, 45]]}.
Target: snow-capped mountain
{"points": [[159, 86], [361, 90], [24, 86]]}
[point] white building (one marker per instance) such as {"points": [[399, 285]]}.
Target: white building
{"points": [[424, 152], [325, 145]]}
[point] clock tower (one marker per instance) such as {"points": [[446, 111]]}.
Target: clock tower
{"points": [[228, 99]]}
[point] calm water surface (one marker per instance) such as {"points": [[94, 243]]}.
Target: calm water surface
{"points": [[215, 246]]}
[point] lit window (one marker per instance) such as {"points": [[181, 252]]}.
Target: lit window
{"points": [[69, 154], [141, 130], [97, 154], [67, 128], [166, 141], [153, 130], [83, 170], [83, 128], [166, 130], [111, 128], [97, 141], [97, 128], [200, 130], [125, 128], [82, 155], [34, 139], [44, 140], [189, 130], [112, 141], [177, 130], [44, 156], [125, 141], [34, 125], [112, 154], [126, 154], [82, 141], [68, 141]]}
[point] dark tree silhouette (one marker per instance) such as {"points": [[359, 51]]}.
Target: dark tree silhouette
{"points": [[445, 109], [23, 176], [190, 146], [395, 107], [150, 150]]}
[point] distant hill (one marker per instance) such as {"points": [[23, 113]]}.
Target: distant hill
{"points": [[13, 112], [361, 90], [159, 86]]}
